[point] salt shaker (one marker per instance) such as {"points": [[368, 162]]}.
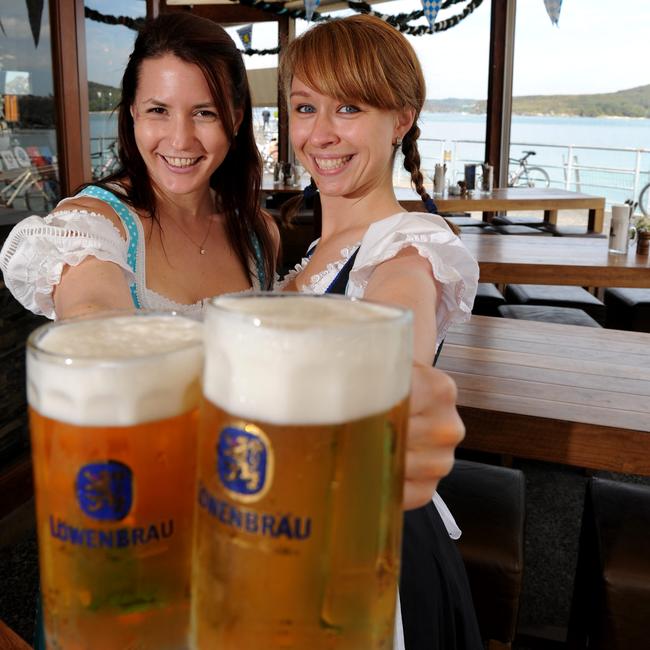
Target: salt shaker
{"points": [[487, 178], [439, 178]]}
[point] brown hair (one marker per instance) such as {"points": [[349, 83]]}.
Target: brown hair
{"points": [[362, 58], [237, 181]]}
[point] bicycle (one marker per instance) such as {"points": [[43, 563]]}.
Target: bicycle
{"points": [[644, 200], [109, 161], [269, 153], [37, 186], [527, 176]]}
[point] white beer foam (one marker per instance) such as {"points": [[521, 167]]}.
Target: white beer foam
{"points": [[314, 360], [116, 371]]}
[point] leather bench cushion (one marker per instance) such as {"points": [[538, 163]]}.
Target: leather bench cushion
{"points": [[628, 309], [558, 296], [488, 504], [464, 220], [572, 231], [547, 314], [615, 538], [517, 221], [521, 230], [488, 298], [478, 230]]}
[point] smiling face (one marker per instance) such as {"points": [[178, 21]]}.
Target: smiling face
{"points": [[176, 125], [347, 147]]}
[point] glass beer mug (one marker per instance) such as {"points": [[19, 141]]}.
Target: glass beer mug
{"points": [[300, 473], [113, 405]]}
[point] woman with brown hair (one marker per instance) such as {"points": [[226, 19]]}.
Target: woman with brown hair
{"points": [[355, 90], [180, 220]]}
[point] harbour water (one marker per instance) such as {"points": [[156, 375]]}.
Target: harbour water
{"points": [[609, 156]]}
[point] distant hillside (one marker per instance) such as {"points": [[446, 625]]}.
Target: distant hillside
{"points": [[101, 97], [452, 105], [634, 102]]}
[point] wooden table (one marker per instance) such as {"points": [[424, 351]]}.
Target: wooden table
{"points": [[579, 261], [548, 199], [9, 640], [560, 393]]}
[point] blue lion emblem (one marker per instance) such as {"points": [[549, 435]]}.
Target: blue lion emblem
{"points": [[244, 462], [105, 490]]}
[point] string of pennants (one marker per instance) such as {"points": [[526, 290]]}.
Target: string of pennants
{"points": [[132, 23], [400, 21], [553, 10]]}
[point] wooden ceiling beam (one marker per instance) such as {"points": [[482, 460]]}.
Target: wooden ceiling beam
{"points": [[224, 14], [499, 97]]}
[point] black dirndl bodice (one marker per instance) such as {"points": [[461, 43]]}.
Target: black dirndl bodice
{"points": [[435, 597]]}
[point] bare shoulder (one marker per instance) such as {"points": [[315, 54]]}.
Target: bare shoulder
{"points": [[408, 259], [405, 276], [88, 204], [407, 280]]}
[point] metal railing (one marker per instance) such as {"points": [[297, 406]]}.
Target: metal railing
{"points": [[618, 173]]}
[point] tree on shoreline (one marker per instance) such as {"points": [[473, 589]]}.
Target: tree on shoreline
{"points": [[633, 102]]}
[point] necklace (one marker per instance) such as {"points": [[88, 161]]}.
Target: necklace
{"points": [[200, 246]]}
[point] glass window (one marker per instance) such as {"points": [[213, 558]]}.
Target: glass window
{"points": [[107, 52], [263, 80], [581, 99], [455, 65], [28, 165]]}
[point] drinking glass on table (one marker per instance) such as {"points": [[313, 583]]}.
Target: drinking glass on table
{"points": [[113, 405], [621, 232], [300, 473], [298, 173]]}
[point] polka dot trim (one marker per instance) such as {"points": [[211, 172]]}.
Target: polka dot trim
{"points": [[259, 260], [127, 221]]}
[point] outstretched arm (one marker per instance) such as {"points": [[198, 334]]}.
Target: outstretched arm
{"points": [[434, 431], [93, 285], [435, 428], [90, 287]]}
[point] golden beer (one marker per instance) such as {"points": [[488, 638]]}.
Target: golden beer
{"points": [[113, 418], [300, 474]]}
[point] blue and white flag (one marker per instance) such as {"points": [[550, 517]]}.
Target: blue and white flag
{"points": [[246, 36], [430, 8], [310, 7], [553, 10]]}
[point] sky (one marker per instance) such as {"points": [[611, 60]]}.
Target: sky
{"points": [[599, 46]]}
